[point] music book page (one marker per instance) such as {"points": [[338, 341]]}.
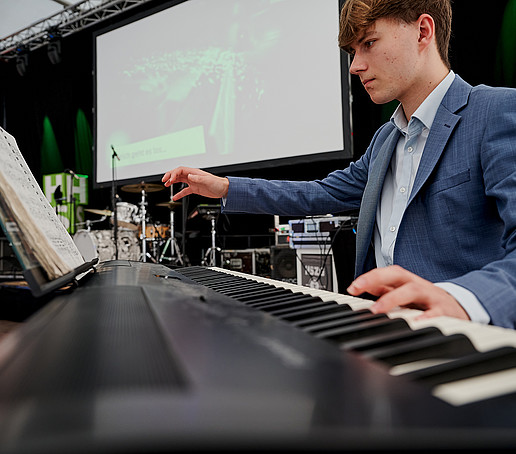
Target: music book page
{"points": [[42, 231]]}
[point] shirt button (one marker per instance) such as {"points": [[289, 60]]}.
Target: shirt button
{"points": [[410, 149], [403, 190], [392, 228]]}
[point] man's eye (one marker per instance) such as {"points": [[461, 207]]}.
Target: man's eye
{"points": [[368, 43]]}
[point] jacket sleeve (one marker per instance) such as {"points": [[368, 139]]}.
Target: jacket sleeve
{"points": [[495, 283], [340, 191]]}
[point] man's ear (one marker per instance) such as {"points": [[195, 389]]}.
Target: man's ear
{"points": [[426, 27]]}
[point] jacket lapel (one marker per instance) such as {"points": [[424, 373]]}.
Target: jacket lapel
{"points": [[372, 192], [444, 123]]}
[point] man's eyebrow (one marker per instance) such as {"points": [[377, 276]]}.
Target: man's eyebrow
{"points": [[367, 34], [364, 36]]}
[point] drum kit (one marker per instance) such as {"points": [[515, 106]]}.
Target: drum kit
{"points": [[136, 238]]}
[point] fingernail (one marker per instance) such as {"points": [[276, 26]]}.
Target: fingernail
{"points": [[375, 308]]}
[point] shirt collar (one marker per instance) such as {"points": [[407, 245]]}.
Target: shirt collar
{"points": [[427, 109]]}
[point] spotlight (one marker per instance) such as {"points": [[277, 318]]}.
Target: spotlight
{"points": [[22, 63], [54, 51]]}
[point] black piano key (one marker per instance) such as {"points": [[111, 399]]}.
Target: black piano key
{"points": [[212, 279], [239, 292], [288, 303], [434, 347], [390, 339], [364, 329], [346, 311], [255, 295], [231, 285], [197, 271], [345, 320], [238, 289], [297, 308], [292, 298], [469, 366], [302, 314]]}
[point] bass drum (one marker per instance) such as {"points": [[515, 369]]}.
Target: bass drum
{"points": [[128, 245], [84, 241], [105, 245], [100, 243]]}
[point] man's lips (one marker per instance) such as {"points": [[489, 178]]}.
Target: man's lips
{"points": [[366, 82]]}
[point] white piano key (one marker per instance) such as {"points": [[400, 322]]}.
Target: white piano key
{"points": [[476, 389], [483, 337]]}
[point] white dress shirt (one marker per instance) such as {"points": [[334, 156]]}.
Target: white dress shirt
{"points": [[398, 185]]}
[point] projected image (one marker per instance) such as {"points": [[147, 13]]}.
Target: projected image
{"points": [[210, 83]]}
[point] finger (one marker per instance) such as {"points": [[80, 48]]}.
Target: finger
{"points": [[176, 176], [430, 313], [409, 293], [169, 177], [182, 193], [380, 280]]}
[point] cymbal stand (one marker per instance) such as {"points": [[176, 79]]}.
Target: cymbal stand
{"points": [[88, 222], [175, 253], [114, 200], [143, 235], [210, 259]]}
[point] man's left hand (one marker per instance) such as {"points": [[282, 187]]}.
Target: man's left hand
{"points": [[397, 287]]}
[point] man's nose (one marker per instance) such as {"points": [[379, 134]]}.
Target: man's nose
{"points": [[357, 64]]}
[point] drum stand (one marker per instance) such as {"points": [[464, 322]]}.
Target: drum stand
{"points": [[210, 259], [175, 253], [143, 236]]}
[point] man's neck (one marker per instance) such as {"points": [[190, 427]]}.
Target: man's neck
{"points": [[422, 88]]}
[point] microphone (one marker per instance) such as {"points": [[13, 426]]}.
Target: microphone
{"points": [[58, 195], [114, 152], [71, 172]]}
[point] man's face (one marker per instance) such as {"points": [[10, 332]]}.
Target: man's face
{"points": [[385, 57]]}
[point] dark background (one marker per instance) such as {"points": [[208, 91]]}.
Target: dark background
{"points": [[59, 90]]}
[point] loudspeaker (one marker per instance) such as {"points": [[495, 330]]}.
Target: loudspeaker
{"points": [[9, 264], [283, 264]]}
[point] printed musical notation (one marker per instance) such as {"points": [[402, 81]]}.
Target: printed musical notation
{"points": [[28, 212]]}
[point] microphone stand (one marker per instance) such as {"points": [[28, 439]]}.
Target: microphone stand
{"points": [[72, 211], [114, 201]]}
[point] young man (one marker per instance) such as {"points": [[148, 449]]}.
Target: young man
{"points": [[436, 187]]}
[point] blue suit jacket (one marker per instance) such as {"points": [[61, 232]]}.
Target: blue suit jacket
{"points": [[460, 221]]}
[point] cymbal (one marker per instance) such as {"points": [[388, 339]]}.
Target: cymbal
{"points": [[147, 187], [124, 224], [127, 225], [170, 205], [101, 212]]}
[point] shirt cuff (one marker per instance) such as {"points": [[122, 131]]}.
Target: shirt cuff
{"points": [[467, 300]]}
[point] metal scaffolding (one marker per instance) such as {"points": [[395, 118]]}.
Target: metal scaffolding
{"points": [[70, 20]]}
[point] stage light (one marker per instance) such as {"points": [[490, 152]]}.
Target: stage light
{"points": [[22, 63], [54, 51]]}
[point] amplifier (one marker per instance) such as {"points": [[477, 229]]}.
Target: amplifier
{"points": [[9, 264], [318, 231], [250, 261]]}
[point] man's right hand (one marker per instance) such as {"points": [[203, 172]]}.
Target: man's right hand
{"points": [[198, 181]]}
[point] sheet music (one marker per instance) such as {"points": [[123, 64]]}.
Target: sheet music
{"points": [[33, 214]]}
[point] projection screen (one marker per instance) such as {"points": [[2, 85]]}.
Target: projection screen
{"points": [[220, 84]]}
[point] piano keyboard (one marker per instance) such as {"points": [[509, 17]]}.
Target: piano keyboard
{"points": [[461, 362]]}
